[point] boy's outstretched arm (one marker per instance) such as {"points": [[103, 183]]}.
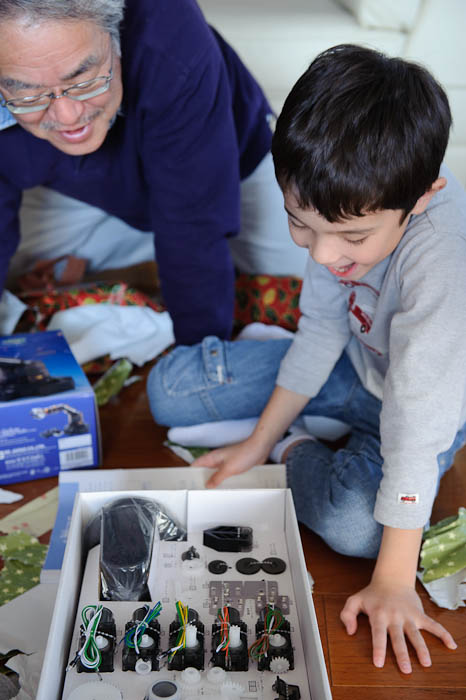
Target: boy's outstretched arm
{"points": [[392, 605], [281, 410]]}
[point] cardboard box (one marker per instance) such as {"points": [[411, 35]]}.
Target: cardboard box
{"points": [[48, 412], [271, 515], [167, 478]]}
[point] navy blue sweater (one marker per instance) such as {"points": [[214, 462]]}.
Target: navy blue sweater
{"points": [[193, 123]]}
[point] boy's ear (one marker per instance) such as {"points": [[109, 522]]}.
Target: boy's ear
{"points": [[424, 200]]}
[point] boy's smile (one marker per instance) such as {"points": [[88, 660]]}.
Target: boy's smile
{"points": [[353, 246]]}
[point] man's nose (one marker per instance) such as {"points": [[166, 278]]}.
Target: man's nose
{"points": [[65, 111]]}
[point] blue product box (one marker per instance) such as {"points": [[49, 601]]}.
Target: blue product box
{"points": [[49, 419]]}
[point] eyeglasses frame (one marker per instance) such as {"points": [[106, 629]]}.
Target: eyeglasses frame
{"points": [[64, 93]]}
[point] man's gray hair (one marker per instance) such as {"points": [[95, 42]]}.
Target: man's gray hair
{"points": [[106, 14]]}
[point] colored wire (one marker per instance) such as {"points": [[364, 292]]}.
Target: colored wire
{"points": [[90, 653], [273, 620], [134, 634], [182, 613], [224, 617]]}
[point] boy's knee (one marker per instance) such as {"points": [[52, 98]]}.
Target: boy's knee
{"points": [[168, 385], [156, 393], [354, 536], [178, 382], [347, 530]]}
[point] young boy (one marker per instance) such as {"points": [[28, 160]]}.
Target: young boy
{"points": [[382, 337]]}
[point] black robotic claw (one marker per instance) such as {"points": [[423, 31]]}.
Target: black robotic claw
{"points": [[285, 691], [229, 538]]}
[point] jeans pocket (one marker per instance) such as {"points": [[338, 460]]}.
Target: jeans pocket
{"points": [[191, 370]]}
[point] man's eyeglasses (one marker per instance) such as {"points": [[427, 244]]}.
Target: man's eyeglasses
{"points": [[80, 92]]}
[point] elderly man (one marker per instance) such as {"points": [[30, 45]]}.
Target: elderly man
{"points": [[154, 125]]}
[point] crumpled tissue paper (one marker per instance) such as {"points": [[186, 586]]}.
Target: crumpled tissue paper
{"points": [[28, 668], [443, 559], [11, 310], [135, 332]]}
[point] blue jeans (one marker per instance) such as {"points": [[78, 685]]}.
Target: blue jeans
{"points": [[334, 491]]}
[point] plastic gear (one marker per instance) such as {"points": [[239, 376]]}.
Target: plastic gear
{"points": [[231, 690], [279, 665], [216, 675], [189, 677]]}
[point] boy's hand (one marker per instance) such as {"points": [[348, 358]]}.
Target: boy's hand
{"points": [[396, 610], [281, 410], [230, 460]]}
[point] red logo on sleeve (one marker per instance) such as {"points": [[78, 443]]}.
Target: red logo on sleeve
{"points": [[408, 498]]}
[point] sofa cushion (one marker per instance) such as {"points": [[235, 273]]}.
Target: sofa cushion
{"points": [[279, 42], [396, 14]]}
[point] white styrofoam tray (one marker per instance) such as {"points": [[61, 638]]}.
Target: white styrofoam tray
{"points": [[271, 515]]}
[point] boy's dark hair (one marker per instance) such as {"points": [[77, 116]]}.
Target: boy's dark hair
{"points": [[361, 132]]}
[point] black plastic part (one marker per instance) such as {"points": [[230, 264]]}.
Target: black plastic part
{"points": [[217, 566], [237, 659], [148, 654], [186, 657], [229, 538], [273, 565], [107, 629], [163, 689], [286, 691], [284, 652], [190, 554], [248, 566], [128, 526]]}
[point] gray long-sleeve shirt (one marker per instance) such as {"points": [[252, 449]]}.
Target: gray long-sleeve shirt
{"points": [[403, 326]]}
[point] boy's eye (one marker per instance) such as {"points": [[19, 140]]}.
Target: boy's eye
{"points": [[357, 241], [295, 223]]}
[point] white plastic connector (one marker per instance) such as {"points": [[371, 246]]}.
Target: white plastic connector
{"points": [[277, 640], [216, 675], [235, 636], [142, 667], [145, 642], [191, 636], [190, 676], [101, 642]]}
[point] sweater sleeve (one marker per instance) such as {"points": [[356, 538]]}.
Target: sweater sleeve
{"points": [[191, 164], [10, 199], [424, 388], [322, 334]]}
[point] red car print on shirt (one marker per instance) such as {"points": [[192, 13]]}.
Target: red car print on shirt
{"points": [[364, 319], [362, 316]]}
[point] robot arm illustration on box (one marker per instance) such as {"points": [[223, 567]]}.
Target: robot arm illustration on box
{"points": [[74, 426]]}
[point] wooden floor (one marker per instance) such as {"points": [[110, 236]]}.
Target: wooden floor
{"points": [[131, 439]]}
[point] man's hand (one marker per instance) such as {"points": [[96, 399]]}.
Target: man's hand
{"points": [[231, 460], [396, 611]]}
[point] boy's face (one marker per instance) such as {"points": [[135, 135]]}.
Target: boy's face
{"points": [[350, 248]]}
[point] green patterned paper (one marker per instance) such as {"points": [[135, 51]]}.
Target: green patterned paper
{"points": [[443, 552], [23, 556], [112, 381]]}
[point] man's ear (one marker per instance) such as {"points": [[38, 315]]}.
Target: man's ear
{"points": [[424, 200]]}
